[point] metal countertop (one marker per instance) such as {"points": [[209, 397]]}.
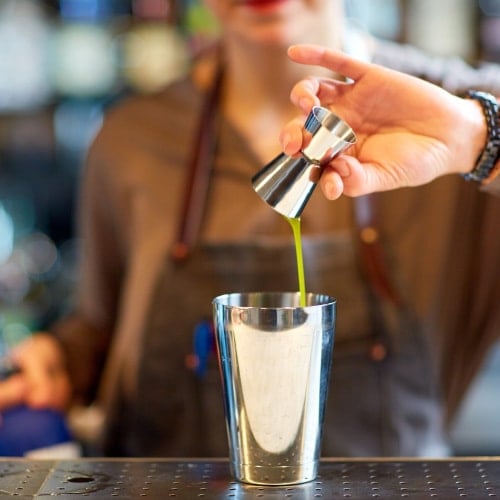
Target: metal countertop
{"points": [[474, 477]]}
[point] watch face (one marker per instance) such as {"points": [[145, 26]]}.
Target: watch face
{"points": [[24, 42]]}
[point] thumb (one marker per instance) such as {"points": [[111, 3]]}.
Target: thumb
{"points": [[356, 178], [291, 136]]}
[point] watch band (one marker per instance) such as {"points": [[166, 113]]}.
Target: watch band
{"points": [[485, 164]]}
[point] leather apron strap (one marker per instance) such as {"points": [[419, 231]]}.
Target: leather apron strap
{"points": [[372, 252], [199, 172]]}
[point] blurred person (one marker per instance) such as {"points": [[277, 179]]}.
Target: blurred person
{"points": [[169, 220]]}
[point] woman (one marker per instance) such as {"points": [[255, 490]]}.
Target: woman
{"points": [[169, 220]]}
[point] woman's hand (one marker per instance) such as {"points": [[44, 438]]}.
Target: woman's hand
{"points": [[408, 131], [41, 380]]}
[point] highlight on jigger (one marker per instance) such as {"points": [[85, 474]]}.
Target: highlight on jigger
{"points": [[287, 183]]}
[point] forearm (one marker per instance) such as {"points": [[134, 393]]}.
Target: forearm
{"points": [[492, 186]]}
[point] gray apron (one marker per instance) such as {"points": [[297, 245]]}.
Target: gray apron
{"points": [[382, 397]]}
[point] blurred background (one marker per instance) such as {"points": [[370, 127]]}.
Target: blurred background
{"points": [[63, 62]]}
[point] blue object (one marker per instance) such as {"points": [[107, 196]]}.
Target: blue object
{"points": [[24, 429], [204, 345], [92, 10]]}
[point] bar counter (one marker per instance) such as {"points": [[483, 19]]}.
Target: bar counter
{"points": [[472, 477]]}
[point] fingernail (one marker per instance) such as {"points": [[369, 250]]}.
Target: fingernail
{"points": [[306, 103], [331, 190]]}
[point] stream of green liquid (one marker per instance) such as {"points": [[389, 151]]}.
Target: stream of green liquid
{"points": [[295, 223]]}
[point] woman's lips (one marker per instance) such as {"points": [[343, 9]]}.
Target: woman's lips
{"points": [[261, 4]]}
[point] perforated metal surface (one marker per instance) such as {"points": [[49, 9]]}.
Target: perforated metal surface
{"points": [[191, 479], [22, 479]]}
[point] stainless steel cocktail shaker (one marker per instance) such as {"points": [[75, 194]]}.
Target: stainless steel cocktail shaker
{"points": [[275, 358]]}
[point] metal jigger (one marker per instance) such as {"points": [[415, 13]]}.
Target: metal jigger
{"points": [[287, 183]]}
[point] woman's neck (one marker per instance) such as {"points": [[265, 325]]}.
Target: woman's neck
{"points": [[261, 76], [256, 93]]}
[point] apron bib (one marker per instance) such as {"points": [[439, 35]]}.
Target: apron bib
{"points": [[380, 397]]}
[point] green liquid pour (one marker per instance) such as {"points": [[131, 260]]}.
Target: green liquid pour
{"points": [[295, 223]]}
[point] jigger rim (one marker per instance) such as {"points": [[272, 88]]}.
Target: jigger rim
{"points": [[331, 121]]}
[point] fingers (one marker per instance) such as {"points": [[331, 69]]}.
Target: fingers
{"points": [[48, 387], [42, 365], [355, 178], [331, 184], [291, 137], [334, 60], [316, 91], [304, 94], [12, 391]]}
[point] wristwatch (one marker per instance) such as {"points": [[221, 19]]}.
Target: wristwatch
{"points": [[487, 165]]}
